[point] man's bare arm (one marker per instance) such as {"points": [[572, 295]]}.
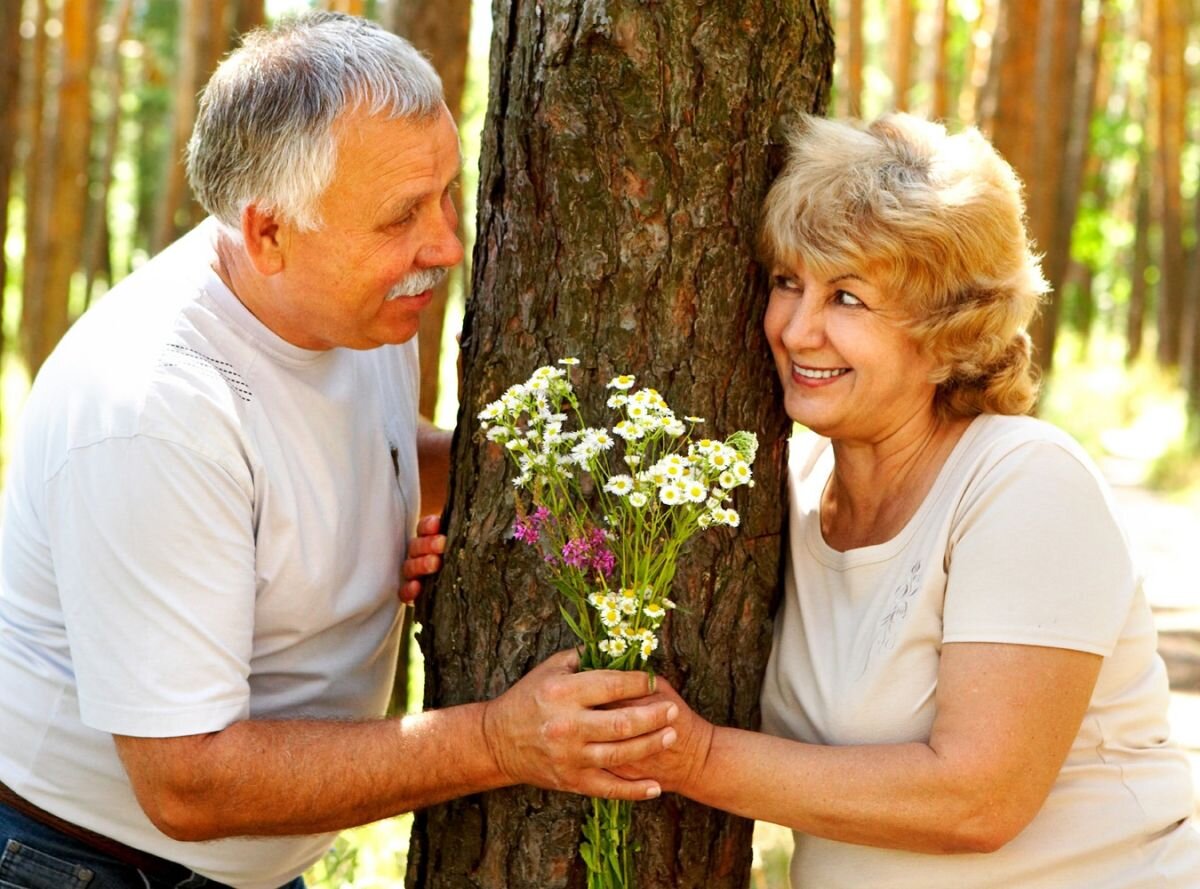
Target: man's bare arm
{"points": [[433, 464], [265, 777]]}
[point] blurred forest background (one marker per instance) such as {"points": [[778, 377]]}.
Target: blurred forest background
{"points": [[1095, 102]]}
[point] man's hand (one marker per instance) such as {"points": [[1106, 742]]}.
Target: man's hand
{"points": [[424, 557], [546, 731]]}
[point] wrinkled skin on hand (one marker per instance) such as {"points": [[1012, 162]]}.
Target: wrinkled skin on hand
{"points": [[555, 729], [678, 767]]}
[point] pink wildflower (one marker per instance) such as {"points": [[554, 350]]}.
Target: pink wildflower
{"points": [[590, 552], [529, 529]]}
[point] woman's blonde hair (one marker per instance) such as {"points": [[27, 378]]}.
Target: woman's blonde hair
{"points": [[937, 221]]}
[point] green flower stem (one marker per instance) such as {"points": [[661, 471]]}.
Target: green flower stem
{"points": [[606, 848]]}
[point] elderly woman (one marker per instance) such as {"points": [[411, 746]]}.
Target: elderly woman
{"points": [[964, 661]]}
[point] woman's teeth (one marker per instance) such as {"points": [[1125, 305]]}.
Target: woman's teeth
{"points": [[813, 373]]}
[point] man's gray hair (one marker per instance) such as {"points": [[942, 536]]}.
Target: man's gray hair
{"points": [[264, 131]]}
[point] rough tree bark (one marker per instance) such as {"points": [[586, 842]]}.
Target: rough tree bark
{"points": [[626, 151]]}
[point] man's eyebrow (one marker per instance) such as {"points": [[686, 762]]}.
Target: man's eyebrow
{"points": [[404, 205]]}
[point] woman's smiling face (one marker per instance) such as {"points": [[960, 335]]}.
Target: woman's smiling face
{"points": [[849, 367]]}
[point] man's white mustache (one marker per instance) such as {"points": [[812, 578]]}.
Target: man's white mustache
{"points": [[418, 282]]}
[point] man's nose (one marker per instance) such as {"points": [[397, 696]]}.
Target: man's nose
{"points": [[443, 247]]}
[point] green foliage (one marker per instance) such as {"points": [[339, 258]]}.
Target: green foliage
{"points": [[370, 857], [1177, 472], [338, 866], [1131, 420]]}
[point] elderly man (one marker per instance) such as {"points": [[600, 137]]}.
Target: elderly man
{"points": [[206, 520]]}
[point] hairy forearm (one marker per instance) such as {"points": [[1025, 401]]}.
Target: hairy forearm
{"points": [[262, 777], [902, 796]]}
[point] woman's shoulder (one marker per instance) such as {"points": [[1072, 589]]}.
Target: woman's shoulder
{"points": [[1027, 457], [994, 438]]}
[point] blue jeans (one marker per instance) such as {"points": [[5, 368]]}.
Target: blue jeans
{"points": [[33, 856]]}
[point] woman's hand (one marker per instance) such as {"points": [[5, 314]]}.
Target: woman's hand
{"points": [[424, 557], [680, 766]]}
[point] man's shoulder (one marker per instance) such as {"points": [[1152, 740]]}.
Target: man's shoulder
{"points": [[150, 359]]}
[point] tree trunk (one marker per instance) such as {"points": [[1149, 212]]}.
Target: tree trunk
{"points": [[852, 107], [988, 45], [1135, 324], [442, 32], [192, 47], [1061, 145], [626, 152], [214, 44], [111, 70], [10, 127], [1171, 38], [250, 14], [1080, 280], [39, 138], [1192, 313], [66, 192], [939, 76], [352, 7], [903, 40]]}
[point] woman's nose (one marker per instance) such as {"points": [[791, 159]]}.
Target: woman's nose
{"points": [[805, 328]]}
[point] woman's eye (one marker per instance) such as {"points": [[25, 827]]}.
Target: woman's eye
{"points": [[783, 282], [844, 298]]}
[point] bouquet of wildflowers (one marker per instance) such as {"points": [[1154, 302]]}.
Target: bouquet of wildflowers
{"points": [[609, 510]]}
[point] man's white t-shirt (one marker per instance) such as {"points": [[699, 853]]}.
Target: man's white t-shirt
{"points": [[1016, 542], [203, 524]]}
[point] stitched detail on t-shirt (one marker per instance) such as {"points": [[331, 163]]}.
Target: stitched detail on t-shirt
{"points": [[181, 356], [899, 601]]}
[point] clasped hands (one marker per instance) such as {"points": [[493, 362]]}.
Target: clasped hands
{"points": [[602, 733]]}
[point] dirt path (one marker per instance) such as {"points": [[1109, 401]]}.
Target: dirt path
{"points": [[1166, 538]]}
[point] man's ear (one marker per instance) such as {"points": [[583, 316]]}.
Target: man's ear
{"points": [[263, 235]]}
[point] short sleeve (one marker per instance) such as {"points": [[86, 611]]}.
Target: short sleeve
{"points": [[1037, 556], [154, 561]]}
